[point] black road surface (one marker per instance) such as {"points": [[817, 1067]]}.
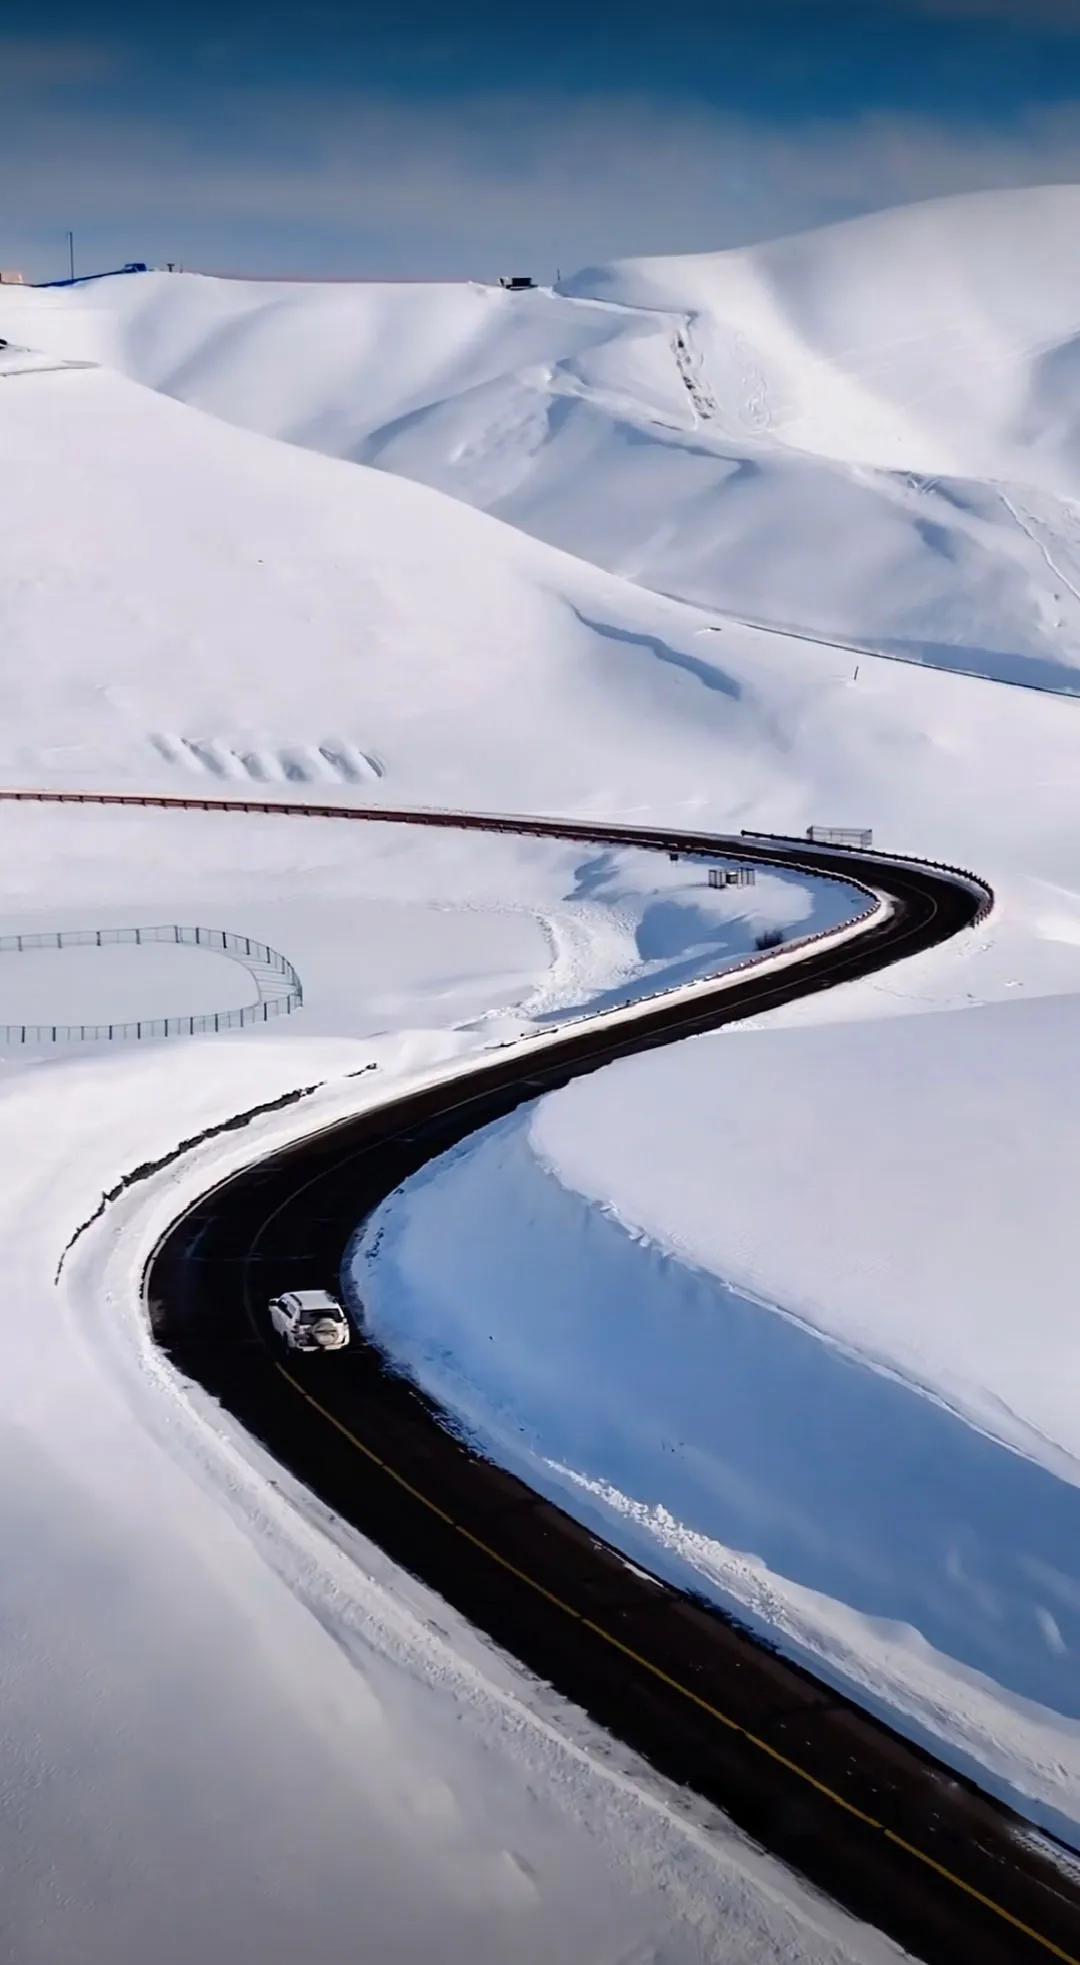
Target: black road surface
{"points": [[874, 1821]]}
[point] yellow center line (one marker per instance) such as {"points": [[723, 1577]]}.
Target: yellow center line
{"points": [[685, 1691], [732, 1724], [368, 1452], [970, 1890]]}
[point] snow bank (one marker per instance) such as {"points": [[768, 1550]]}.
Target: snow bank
{"points": [[946, 1181], [885, 1541]]}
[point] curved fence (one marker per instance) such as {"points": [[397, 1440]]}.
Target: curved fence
{"points": [[279, 989]]}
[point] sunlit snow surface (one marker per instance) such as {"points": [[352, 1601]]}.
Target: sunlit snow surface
{"points": [[190, 1666], [870, 433]]}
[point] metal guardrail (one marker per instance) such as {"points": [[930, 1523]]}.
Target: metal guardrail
{"points": [[239, 948], [974, 881]]}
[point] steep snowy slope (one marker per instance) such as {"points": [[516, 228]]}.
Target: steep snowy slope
{"points": [[178, 595], [181, 601], [939, 338], [870, 432], [323, 366]]}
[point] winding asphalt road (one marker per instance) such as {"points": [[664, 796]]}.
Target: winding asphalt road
{"points": [[880, 1825]]}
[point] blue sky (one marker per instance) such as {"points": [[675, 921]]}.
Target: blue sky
{"points": [[431, 139]]}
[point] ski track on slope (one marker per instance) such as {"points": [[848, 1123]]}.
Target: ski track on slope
{"points": [[1032, 527], [688, 363]]}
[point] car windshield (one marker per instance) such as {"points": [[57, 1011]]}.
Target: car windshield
{"points": [[313, 1313]]}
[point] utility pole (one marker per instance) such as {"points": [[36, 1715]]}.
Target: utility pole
{"points": [[71, 254]]}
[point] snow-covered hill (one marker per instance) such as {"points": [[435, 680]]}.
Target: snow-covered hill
{"points": [[179, 596], [936, 338], [185, 602], [871, 432]]}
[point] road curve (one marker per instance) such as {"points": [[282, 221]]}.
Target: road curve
{"points": [[881, 1826]]}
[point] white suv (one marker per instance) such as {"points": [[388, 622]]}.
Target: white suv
{"points": [[310, 1320]]}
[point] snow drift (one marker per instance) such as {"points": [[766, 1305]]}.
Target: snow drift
{"points": [[623, 1294]]}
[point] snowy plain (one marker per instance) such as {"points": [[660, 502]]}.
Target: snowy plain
{"points": [[195, 606]]}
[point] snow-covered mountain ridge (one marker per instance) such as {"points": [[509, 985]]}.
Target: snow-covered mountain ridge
{"points": [[870, 432]]}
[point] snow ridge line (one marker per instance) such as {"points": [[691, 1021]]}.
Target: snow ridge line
{"points": [[890, 655]]}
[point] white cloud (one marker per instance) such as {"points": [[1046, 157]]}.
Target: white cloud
{"points": [[1061, 15], [357, 184]]}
